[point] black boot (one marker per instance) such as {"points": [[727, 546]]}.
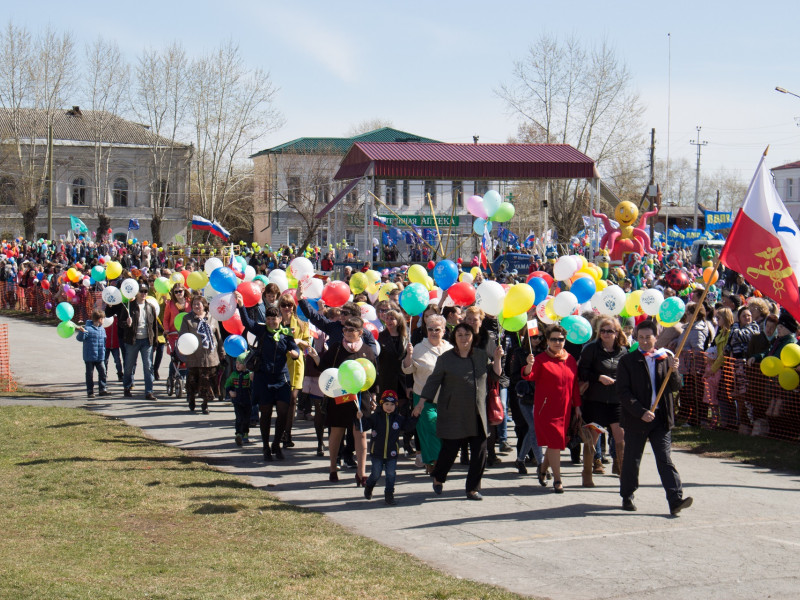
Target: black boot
{"points": [[388, 497], [368, 491], [276, 450], [267, 454], [192, 405]]}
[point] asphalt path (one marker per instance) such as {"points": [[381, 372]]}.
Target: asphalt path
{"points": [[740, 539]]}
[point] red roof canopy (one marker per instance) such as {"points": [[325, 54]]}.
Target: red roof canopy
{"points": [[470, 162]]}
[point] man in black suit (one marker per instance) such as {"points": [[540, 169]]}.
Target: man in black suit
{"points": [[639, 377]]}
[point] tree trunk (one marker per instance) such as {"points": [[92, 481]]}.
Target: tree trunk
{"points": [[155, 229], [29, 222], [104, 224]]}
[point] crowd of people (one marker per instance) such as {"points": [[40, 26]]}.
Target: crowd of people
{"points": [[435, 374]]}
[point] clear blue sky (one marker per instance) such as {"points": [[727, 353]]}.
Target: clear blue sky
{"points": [[432, 67]]}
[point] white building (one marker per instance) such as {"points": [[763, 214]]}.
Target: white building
{"points": [[787, 182], [102, 165]]}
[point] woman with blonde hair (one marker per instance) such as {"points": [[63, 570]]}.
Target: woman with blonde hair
{"points": [[302, 337]]}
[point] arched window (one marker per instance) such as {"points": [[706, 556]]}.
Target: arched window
{"points": [[8, 190], [119, 192], [79, 191]]}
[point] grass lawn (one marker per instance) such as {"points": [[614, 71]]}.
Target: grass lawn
{"points": [[94, 509], [759, 451]]}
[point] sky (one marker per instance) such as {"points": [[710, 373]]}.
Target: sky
{"points": [[433, 68]]}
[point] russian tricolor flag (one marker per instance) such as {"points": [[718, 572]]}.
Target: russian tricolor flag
{"points": [[201, 223], [220, 231], [379, 221]]}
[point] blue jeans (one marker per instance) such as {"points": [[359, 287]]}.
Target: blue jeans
{"points": [[117, 361], [101, 375], [377, 468], [529, 441], [502, 428], [140, 347]]}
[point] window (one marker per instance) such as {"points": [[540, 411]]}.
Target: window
{"points": [[322, 237], [458, 193], [79, 191], [391, 193], [406, 193], [481, 187], [7, 191], [430, 190], [293, 194], [119, 192], [321, 192], [789, 186], [294, 236], [350, 236]]}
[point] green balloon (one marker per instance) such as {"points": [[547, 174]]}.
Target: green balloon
{"points": [[514, 323], [634, 346], [65, 312], [352, 376], [179, 320], [162, 285], [65, 329], [671, 310], [504, 213], [579, 330]]}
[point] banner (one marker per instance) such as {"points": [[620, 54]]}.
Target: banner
{"points": [[718, 220], [691, 235], [78, 226]]}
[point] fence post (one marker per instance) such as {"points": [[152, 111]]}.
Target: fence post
{"points": [[7, 383]]}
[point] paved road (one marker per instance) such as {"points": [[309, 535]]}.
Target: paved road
{"points": [[741, 538]]}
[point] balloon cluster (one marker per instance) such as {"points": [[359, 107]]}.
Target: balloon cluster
{"points": [[488, 209], [352, 377], [784, 367]]}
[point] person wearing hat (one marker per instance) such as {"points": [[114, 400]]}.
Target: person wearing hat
{"points": [[384, 444], [237, 388], [138, 330]]}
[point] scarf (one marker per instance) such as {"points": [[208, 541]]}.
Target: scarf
{"points": [[562, 354], [206, 335], [276, 333], [353, 347], [656, 353]]}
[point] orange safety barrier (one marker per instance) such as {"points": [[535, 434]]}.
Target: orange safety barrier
{"points": [[7, 383], [40, 302]]}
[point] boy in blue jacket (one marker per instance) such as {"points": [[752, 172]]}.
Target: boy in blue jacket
{"points": [[386, 426], [93, 336]]}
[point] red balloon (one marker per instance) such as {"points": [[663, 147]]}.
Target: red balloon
{"points": [[185, 275], [110, 230], [45, 284], [505, 286], [546, 276], [461, 293], [291, 292], [101, 260], [336, 293], [431, 264], [234, 325], [251, 293], [371, 328], [460, 260]]}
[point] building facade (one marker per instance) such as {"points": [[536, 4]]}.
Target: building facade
{"points": [[787, 182]]}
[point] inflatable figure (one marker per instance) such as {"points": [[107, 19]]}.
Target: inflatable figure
{"points": [[628, 238], [551, 254], [707, 254], [603, 262]]}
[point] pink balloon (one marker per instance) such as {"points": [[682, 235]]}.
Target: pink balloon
{"points": [[476, 208]]}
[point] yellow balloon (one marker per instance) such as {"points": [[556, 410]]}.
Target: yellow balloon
{"points": [[374, 279], [664, 323], [474, 271], [583, 260], [177, 277], [197, 280], [549, 312], [633, 303], [417, 274], [788, 379], [771, 366], [429, 283], [598, 272], [113, 270], [601, 284], [72, 275], [790, 356], [386, 288], [358, 282], [518, 300]]}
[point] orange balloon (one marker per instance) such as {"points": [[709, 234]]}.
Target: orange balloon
{"points": [[710, 275]]}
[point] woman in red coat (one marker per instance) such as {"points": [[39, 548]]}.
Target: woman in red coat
{"points": [[555, 374]]}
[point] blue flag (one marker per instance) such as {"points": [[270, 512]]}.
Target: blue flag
{"points": [[133, 224]]}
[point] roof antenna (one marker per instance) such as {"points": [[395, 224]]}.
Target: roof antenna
{"points": [[475, 139]]}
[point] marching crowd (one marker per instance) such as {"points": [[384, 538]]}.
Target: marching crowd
{"points": [[438, 377]]}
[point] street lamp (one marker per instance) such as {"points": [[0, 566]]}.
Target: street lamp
{"points": [[785, 91]]}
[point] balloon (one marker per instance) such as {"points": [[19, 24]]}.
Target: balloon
{"points": [[514, 323], [301, 266], [414, 298], [475, 271], [212, 264], [352, 376], [372, 329], [279, 278], [466, 278], [177, 278], [108, 321], [596, 302], [579, 330], [87, 282], [565, 304], [162, 285], [129, 288], [481, 225], [374, 279], [491, 202], [633, 303], [70, 293], [543, 314], [329, 383], [790, 356], [417, 274], [461, 293], [385, 289], [369, 369], [677, 279], [335, 293], [64, 311], [672, 310], [548, 279], [188, 344], [251, 295], [519, 299], [583, 288], [312, 288], [223, 280], [197, 280], [45, 284], [234, 325], [771, 366], [179, 320], [445, 273], [613, 300], [475, 207], [222, 307], [235, 345], [504, 213], [710, 276], [358, 282], [249, 273], [154, 303], [98, 273], [564, 268], [489, 297], [788, 379], [65, 329], [73, 275], [111, 295], [651, 301], [262, 278]]}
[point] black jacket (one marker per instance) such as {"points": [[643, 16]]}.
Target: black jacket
{"points": [[386, 429], [635, 391], [595, 361], [128, 334]]}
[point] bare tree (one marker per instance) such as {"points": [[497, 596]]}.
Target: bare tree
{"points": [[231, 107], [577, 97], [35, 78], [368, 125], [161, 101]]}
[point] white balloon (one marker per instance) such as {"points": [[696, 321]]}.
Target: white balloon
{"points": [[467, 278], [368, 312], [542, 315], [312, 288], [489, 297], [564, 268], [596, 302], [188, 344], [223, 306], [154, 303], [212, 264], [329, 383], [613, 300], [129, 288], [650, 301], [87, 282], [301, 266], [209, 292], [112, 295], [108, 321], [278, 277], [372, 297], [565, 304], [249, 273]]}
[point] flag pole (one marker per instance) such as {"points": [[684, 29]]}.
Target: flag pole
{"points": [[401, 219], [436, 224]]}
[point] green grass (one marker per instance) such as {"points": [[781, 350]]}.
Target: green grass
{"points": [[759, 451], [91, 508], [22, 392]]}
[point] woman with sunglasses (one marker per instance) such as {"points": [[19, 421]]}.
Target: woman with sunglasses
{"points": [[302, 337], [176, 304], [555, 374], [597, 369]]}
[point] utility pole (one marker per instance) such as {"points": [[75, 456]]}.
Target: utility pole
{"points": [[717, 209], [699, 145], [651, 185], [50, 184]]}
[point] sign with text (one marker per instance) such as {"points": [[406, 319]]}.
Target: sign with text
{"points": [[718, 220], [404, 220]]}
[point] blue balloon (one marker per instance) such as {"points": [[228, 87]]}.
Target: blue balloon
{"points": [[314, 302], [540, 289], [235, 345], [479, 225], [224, 281], [445, 273], [40, 276], [583, 288]]}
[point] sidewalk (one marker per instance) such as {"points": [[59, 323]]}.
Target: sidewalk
{"points": [[739, 540]]}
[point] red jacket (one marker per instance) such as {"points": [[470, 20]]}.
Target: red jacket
{"points": [[557, 392]]}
